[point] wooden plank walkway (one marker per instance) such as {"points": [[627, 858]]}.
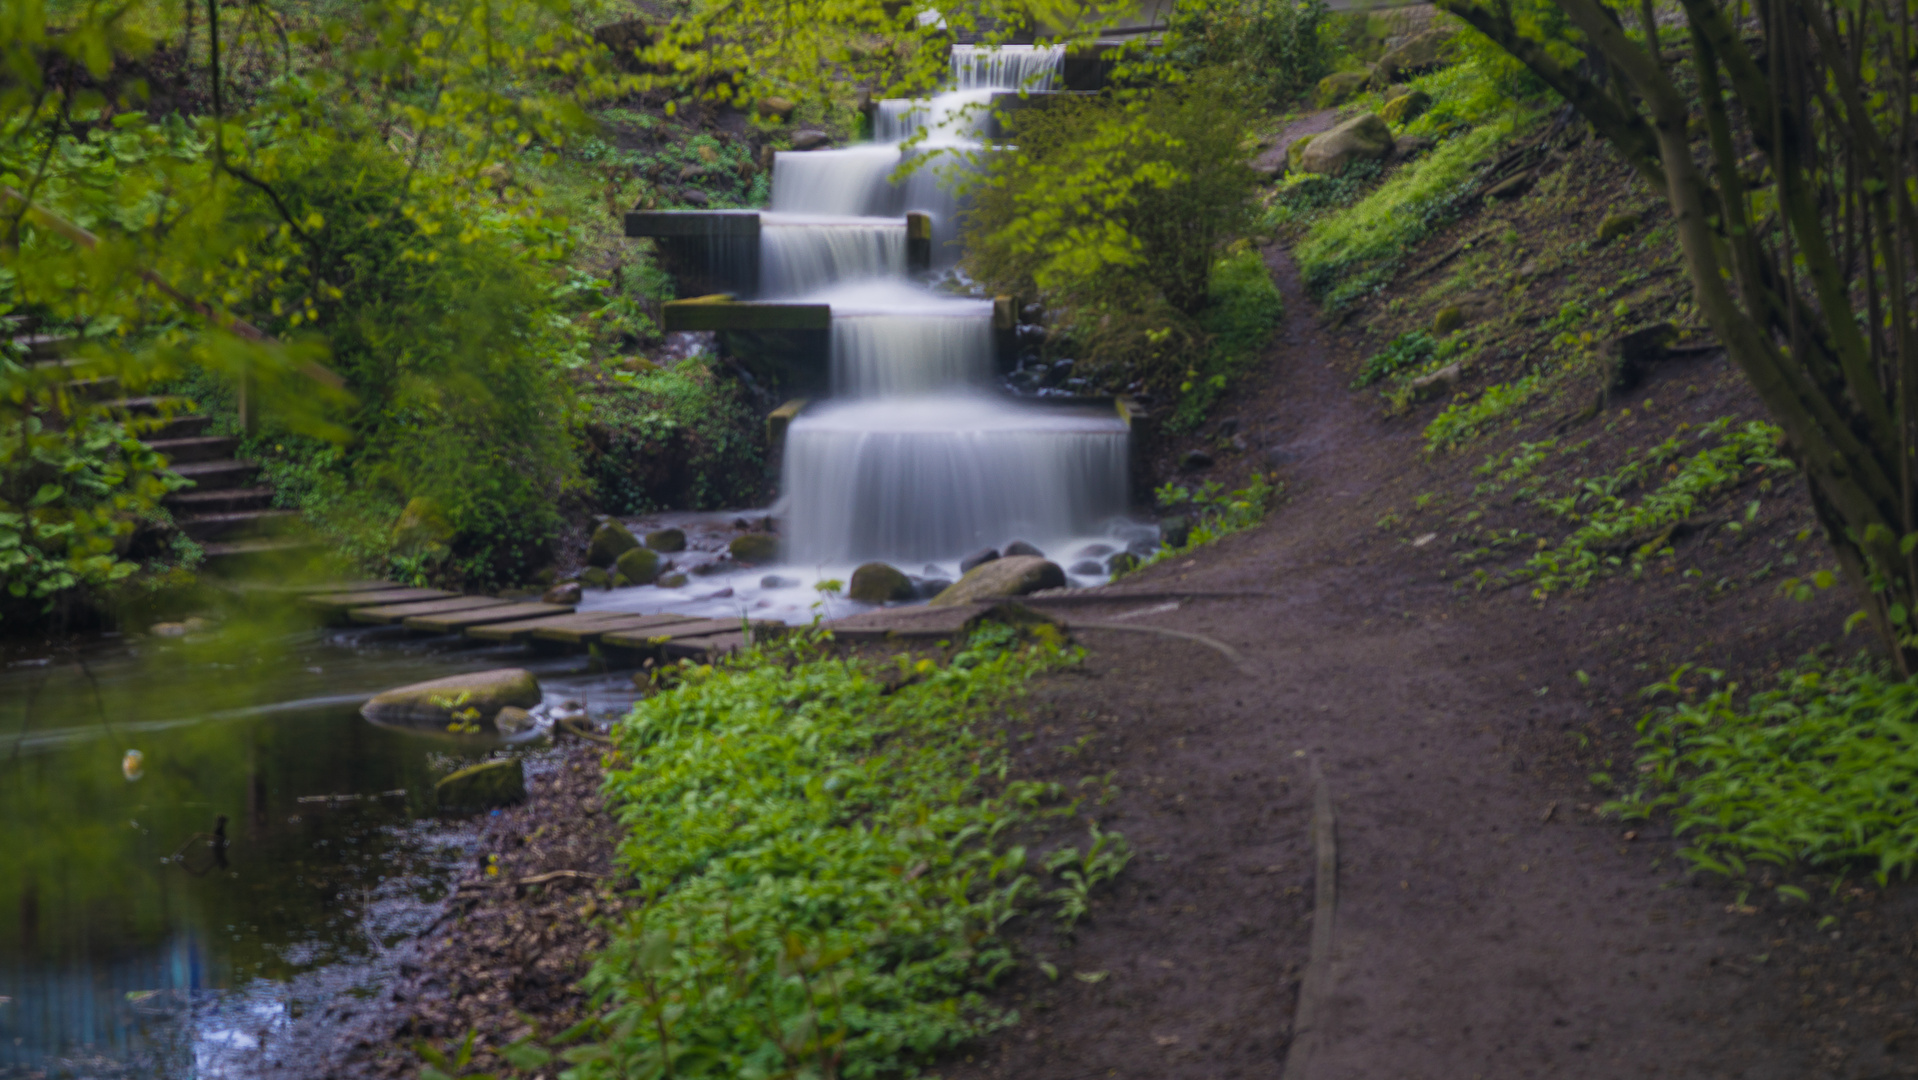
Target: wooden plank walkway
{"points": [[386, 614], [453, 622], [660, 636]]}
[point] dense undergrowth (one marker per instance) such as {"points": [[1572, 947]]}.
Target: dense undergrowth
{"points": [[829, 850], [1817, 772]]}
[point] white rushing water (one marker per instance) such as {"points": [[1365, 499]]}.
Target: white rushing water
{"points": [[914, 460]]}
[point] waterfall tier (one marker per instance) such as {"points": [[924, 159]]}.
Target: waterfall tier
{"points": [[801, 253], [933, 478]]}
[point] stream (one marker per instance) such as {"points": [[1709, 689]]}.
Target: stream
{"points": [[136, 947]]}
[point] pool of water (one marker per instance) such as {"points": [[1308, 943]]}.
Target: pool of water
{"points": [[132, 944]]}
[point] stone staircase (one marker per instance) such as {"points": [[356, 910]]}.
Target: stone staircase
{"points": [[227, 511]]}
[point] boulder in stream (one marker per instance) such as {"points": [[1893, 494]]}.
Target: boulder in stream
{"points": [[754, 548], [879, 583], [594, 577], [566, 592], [476, 697], [666, 540], [501, 782], [610, 541], [977, 558], [1020, 547], [639, 565], [1015, 575]]}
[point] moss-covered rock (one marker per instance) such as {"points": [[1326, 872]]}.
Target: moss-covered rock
{"points": [[640, 566], [1340, 85], [610, 541], [594, 577], [1295, 148], [1615, 226], [879, 583], [475, 698], [754, 548], [1448, 319], [673, 581], [1015, 576], [513, 720], [666, 540], [1362, 138], [501, 782], [1421, 52], [1406, 107]]}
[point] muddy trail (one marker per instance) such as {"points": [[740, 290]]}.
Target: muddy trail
{"points": [[1489, 922]]}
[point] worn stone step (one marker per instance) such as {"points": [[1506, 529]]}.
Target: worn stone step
{"points": [[708, 648], [454, 622], [387, 614], [189, 501], [238, 523], [216, 475], [147, 405], [184, 426], [194, 448]]}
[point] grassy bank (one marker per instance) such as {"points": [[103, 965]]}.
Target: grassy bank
{"points": [[825, 852]]}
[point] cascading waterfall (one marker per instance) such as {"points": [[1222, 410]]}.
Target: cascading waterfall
{"points": [[917, 461]]}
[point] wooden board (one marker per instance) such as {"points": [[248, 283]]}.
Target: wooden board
{"points": [[524, 628], [348, 586], [585, 633], [455, 621], [342, 601], [392, 613], [650, 639]]}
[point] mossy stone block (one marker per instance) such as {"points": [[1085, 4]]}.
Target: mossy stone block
{"points": [[501, 782]]}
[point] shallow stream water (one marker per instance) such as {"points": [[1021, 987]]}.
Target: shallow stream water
{"points": [[133, 946]]}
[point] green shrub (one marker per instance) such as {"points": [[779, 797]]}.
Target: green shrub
{"points": [[1274, 49], [1820, 772], [680, 437], [1212, 513], [1615, 530], [450, 337], [1405, 351], [1463, 421], [823, 851], [1348, 255], [1113, 212], [1245, 305]]}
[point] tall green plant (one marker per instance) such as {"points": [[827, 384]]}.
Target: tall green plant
{"points": [[1113, 211]]}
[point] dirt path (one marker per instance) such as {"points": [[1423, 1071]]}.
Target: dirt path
{"points": [[1490, 925]]}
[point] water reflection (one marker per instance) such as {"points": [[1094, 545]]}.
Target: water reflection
{"points": [[207, 848]]}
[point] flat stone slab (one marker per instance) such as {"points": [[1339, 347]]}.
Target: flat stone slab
{"points": [[595, 625], [368, 598], [677, 315], [454, 621], [392, 613], [654, 639], [693, 223]]}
